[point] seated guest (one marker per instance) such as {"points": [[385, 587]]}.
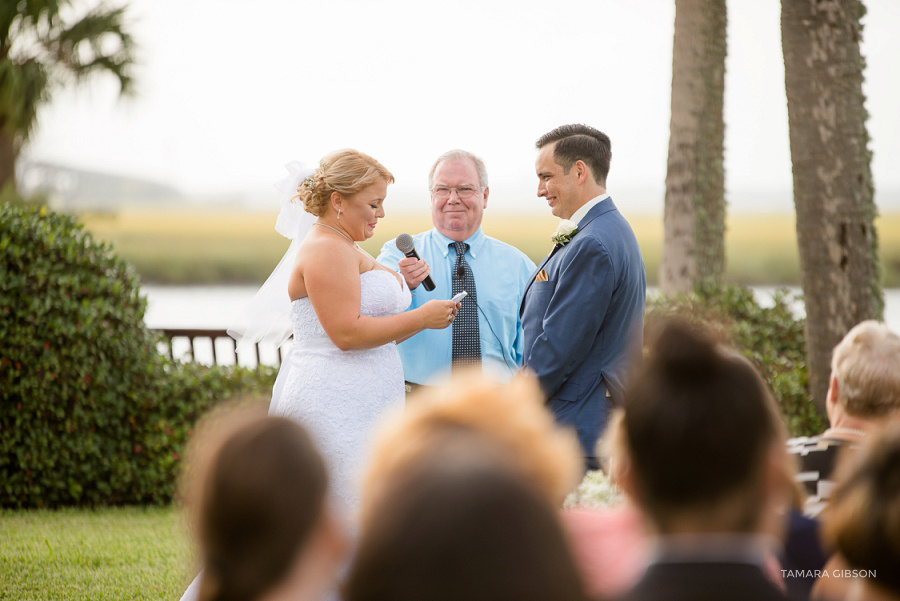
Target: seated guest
{"points": [[256, 491], [862, 522], [611, 544], [707, 466], [459, 521], [512, 414], [864, 392]]}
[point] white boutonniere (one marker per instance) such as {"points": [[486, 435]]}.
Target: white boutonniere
{"points": [[564, 233]]}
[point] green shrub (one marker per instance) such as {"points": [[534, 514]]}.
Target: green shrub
{"points": [[771, 337], [166, 422], [90, 412]]}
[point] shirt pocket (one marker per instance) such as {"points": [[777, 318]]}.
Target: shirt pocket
{"points": [[502, 312]]}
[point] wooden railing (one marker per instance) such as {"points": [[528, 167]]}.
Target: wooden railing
{"points": [[193, 334]]}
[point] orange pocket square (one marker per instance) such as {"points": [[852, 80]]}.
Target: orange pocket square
{"points": [[541, 276]]}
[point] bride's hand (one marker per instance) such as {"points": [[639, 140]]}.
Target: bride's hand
{"points": [[439, 314]]}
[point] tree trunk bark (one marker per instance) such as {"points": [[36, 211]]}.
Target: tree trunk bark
{"points": [[694, 222], [833, 190], [9, 152]]}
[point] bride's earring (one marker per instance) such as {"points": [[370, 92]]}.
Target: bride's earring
{"points": [[339, 213]]}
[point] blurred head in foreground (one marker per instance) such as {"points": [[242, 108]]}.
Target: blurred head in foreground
{"points": [[512, 415], [862, 521], [461, 521], [256, 488], [704, 439], [460, 499]]}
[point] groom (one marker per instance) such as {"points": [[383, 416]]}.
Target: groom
{"points": [[583, 310]]}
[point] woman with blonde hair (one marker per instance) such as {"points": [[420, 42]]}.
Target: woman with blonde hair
{"points": [[346, 312], [462, 522], [461, 500], [512, 415]]}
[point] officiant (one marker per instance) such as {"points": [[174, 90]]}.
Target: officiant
{"points": [[458, 256]]}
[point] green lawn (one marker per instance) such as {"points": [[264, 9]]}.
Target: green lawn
{"points": [[133, 553], [97, 555]]}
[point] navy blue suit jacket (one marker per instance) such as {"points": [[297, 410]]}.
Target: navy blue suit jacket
{"points": [[583, 327], [703, 581]]}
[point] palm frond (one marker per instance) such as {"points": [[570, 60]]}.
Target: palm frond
{"points": [[99, 41], [30, 13], [23, 87], [43, 45]]}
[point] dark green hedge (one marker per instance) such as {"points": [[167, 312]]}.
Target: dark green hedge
{"points": [[90, 412], [771, 337]]}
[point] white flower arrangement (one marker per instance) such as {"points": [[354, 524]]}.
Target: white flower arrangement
{"points": [[594, 492], [564, 233]]}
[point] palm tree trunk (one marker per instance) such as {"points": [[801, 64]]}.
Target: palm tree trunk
{"points": [[694, 222], [833, 190], [8, 154]]}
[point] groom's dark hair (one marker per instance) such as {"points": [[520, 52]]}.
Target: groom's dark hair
{"points": [[579, 142]]}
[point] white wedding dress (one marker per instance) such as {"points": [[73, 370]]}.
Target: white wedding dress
{"points": [[338, 395]]}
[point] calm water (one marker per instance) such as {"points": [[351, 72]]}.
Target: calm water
{"points": [[213, 307]]}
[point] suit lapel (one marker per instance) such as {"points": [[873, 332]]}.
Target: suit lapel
{"points": [[604, 206]]}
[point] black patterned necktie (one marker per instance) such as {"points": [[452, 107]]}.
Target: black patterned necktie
{"points": [[466, 339]]}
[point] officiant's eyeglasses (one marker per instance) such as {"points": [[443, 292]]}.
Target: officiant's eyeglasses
{"points": [[464, 192]]}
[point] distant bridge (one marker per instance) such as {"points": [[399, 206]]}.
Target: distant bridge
{"points": [[71, 190]]}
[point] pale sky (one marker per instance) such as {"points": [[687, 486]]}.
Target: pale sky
{"points": [[230, 90]]}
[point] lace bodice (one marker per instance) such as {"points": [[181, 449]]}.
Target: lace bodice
{"points": [[377, 299], [340, 395]]}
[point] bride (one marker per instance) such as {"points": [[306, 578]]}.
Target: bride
{"points": [[348, 312], [345, 310]]}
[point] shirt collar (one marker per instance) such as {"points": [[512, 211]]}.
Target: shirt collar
{"points": [[475, 241], [583, 210], [709, 547]]}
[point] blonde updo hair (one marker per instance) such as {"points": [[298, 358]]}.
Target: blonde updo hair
{"points": [[343, 171]]}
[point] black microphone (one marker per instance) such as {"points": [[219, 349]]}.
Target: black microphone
{"points": [[405, 245], [460, 272]]}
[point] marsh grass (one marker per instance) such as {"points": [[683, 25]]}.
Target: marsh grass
{"points": [[83, 554], [230, 246]]}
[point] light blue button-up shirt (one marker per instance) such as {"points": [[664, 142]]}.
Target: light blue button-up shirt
{"points": [[501, 273]]}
